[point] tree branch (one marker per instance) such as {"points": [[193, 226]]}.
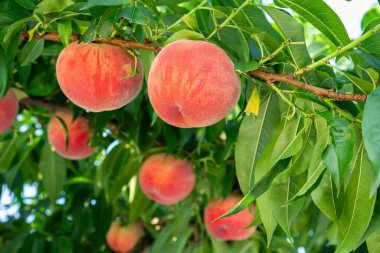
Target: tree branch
{"points": [[267, 76], [40, 102], [52, 36], [270, 77], [55, 107]]}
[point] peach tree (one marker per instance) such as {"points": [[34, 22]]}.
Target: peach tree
{"points": [[188, 126]]}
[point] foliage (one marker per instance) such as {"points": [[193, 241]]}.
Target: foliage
{"points": [[310, 164]]}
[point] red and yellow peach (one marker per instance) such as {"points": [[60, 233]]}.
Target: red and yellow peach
{"points": [[166, 179], [97, 77], [193, 84], [229, 228], [8, 111], [78, 136], [122, 239]]}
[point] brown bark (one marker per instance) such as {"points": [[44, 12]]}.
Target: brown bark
{"points": [[270, 78]]}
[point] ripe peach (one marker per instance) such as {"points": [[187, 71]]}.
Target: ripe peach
{"points": [[165, 179], [193, 84], [96, 76], [78, 134], [122, 239], [230, 228], [8, 111]]}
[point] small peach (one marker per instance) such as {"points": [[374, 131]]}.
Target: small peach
{"points": [[8, 111], [122, 239], [78, 134], [165, 179], [229, 228]]}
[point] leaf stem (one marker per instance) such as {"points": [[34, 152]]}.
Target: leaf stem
{"points": [[187, 14], [334, 107], [338, 51], [228, 19], [277, 51]]}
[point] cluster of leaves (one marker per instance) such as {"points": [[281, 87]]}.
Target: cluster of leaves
{"points": [[311, 165]]}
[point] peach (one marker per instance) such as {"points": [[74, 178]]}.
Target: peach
{"points": [[78, 134], [122, 239], [193, 84], [8, 111], [165, 179], [229, 228], [97, 77]]}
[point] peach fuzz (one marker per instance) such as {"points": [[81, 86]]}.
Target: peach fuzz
{"points": [[78, 134], [193, 84], [229, 228], [122, 239], [166, 179], [8, 111], [96, 76]]}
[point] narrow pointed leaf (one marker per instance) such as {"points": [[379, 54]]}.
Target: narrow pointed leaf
{"points": [[371, 135]]}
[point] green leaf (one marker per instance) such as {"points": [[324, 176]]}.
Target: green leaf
{"points": [[362, 85], [53, 170], [9, 150], [48, 6], [258, 189], [293, 30], [184, 35], [245, 67], [254, 135], [31, 51], [15, 27], [338, 155], [27, 4], [137, 14], [358, 206], [178, 228], [319, 14], [234, 41], [65, 30], [316, 167], [93, 3], [373, 242], [372, 44], [3, 72], [106, 22], [288, 143], [371, 133], [324, 197]]}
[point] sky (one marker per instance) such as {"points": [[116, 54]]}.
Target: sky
{"points": [[351, 13]]}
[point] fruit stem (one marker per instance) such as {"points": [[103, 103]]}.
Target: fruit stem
{"points": [[187, 14], [229, 18], [338, 51]]}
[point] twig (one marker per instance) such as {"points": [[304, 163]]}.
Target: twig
{"points": [[40, 102], [187, 14], [55, 107], [229, 18], [338, 51], [52, 36], [320, 92]]}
